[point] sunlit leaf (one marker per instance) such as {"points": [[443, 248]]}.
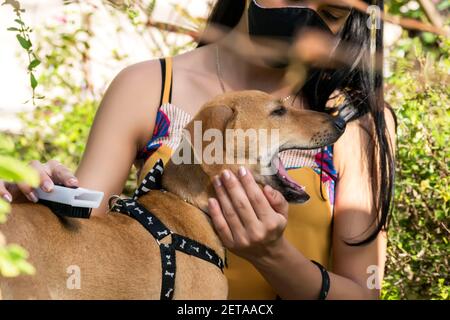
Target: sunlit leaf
{"points": [[33, 64], [12, 170], [26, 44], [33, 81]]}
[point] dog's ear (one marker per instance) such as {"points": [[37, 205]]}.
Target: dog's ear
{"points": [[212, 117]]}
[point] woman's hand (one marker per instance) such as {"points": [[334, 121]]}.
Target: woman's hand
{"points": [[249, 221], [50, 173]]}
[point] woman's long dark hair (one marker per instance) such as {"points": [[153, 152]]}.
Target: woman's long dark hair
{"points": [[366, 95]]}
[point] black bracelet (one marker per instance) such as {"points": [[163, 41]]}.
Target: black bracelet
{"points": [[325, 281]]}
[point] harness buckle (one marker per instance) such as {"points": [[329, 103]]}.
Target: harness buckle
{"points": [[171, 242], [115, 202]]}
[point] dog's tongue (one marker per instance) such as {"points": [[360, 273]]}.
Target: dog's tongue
{"points": [[282, 172]]}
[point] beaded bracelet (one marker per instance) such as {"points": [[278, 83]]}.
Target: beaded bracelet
{"points": [[325, 281]]}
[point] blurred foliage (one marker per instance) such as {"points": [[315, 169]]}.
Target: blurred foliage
{"points": [[58, 128], [419, 250], [412, 9], [417, 88], [13, 258]]}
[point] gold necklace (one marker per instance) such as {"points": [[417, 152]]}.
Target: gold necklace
{"points": [[220, 75]]}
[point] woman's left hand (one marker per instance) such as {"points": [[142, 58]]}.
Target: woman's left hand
{"points": [[249, 221]]}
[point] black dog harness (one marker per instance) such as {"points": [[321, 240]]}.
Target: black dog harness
{"points": [[159, 231]]}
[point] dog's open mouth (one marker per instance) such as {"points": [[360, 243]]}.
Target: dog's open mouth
{"points": [[291, 190]]}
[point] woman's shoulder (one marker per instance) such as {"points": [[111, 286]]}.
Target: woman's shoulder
{"points": [[132, 99], [145, 78], [139, 80], [135, 88]]}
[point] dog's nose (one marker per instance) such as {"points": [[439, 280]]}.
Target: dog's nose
{"points": [[339, 123]]}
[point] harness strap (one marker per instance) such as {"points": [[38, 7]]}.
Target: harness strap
{"points": [[152, 181], [169, 271], [149, 221], [196, 249], [159, 231]]}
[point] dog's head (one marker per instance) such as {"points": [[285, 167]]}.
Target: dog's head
{"points": [[250, 128]]}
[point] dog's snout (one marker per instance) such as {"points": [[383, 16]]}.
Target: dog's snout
{"points": [[339, 123]]}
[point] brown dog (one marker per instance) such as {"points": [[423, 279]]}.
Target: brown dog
{"points": [[114, 257]]}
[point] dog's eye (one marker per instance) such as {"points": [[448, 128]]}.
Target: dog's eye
{"points": [[279, 111]]}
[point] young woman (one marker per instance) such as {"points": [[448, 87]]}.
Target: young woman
{"points": [[332, 247]]}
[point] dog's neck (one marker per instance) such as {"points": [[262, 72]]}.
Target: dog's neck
{"points": [[189, 182]]}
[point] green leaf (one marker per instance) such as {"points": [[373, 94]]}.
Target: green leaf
{"points": [[26, 44], [6, 145], [4, 209], [13, 261], [12, 170], [151, 8], [12, 29], [25, 267], [7, 268], [428, 37], [33, 64], [443, 5], [33, 81], [19, 22], [17, 252]]}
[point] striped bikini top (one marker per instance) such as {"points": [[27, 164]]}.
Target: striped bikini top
{"points": [[309, 224]]}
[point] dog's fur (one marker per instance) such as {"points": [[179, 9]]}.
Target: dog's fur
{"points": [[117, 258]]}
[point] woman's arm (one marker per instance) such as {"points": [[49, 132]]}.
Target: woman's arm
{"points": [[355, 216], [123, 123], [258, 238]]}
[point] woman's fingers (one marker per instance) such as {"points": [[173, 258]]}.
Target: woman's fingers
{"points": [[256, 197], [61, 175], [276, 200], [230, 215], [28, 192], [219, 222], [4, 193], [46, 182], [50, 173], [247, 219], [239, 199]]}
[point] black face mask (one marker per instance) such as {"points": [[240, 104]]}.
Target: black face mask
{"points": [[282, 24]]}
